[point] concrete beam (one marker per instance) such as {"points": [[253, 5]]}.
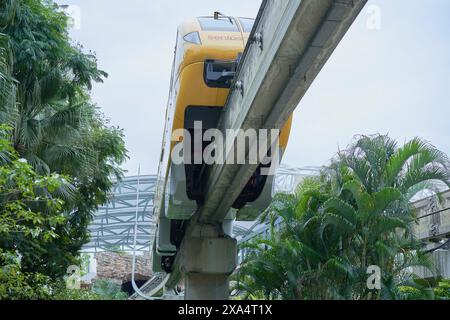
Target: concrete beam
{"points": [[298, 37], [290, 43]]}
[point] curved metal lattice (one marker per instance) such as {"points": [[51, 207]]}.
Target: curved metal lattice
{"points": [[113, 224], [288, 177]]}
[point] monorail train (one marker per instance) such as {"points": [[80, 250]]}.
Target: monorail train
{"points": [[207, 53]]}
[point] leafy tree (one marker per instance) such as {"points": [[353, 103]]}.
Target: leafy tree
{"points": [[62, 293], [355, 215], [442, 291], [109, 290], [410, 293], [30, 212], [7, 87], [15, 284], [100, 290], [45, 84]]}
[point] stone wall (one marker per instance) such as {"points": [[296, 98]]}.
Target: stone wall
{"points": [[117, 266]]}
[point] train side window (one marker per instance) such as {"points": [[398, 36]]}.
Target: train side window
{"points": [[247, 24], [221, 24]]}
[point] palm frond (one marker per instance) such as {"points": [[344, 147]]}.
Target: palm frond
{"points": [[50, 85], [7, 12], [8, 112], [384, 198], [362, 198], [400, 158], [342, 208]]}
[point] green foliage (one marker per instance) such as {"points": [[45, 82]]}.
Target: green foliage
{"points": [[61, 293], [45, 83], [108, 290], [29, 215], [7, 84], [354, 215], [101, 290], [18, 285], [411, 293], [29, 206], [442, 291], [58, 154]]}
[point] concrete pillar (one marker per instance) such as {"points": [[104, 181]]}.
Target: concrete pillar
{"points": [[206, 286], [169, 294], [206, 263]]}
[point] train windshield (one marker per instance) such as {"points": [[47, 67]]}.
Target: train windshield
{"points": [[247, 24], [220, 24], [220, 74]]}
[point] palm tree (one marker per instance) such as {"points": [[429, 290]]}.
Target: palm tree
{"points": [[377, 162], [355, 215], [7, 86], [53, 124], [7, 98], [53, 116]]}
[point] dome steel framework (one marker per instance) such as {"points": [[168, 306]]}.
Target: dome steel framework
{"points": [[112, 228]]}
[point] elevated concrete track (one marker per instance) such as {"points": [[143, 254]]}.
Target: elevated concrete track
{"points": [[289, 44]]}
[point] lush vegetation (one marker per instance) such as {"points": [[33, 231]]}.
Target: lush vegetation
{"points": [[58, 153], [100, 290], [356, 214], [441, 292], [30, 213]]}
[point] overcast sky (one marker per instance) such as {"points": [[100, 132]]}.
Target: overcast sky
{"points": [[394, 79]]}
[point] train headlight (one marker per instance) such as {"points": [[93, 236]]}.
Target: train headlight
{"points": [[193, 37]]}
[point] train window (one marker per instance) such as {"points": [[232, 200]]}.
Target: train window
{"points": [[221, 24], [219, 74], [247, 24], [193, 37]]}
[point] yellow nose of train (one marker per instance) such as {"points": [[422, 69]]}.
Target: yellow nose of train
{"points": [[207, 54], [208, 44]]}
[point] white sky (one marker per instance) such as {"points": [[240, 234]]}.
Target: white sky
{"points": [[394, 80]]}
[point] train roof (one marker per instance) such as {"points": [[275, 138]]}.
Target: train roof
{"points": [[211, 24]]}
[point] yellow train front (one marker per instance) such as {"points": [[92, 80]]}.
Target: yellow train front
{"points": [[206, 57]]}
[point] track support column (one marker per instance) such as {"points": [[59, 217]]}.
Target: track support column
{"points": [[206, 264]]}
